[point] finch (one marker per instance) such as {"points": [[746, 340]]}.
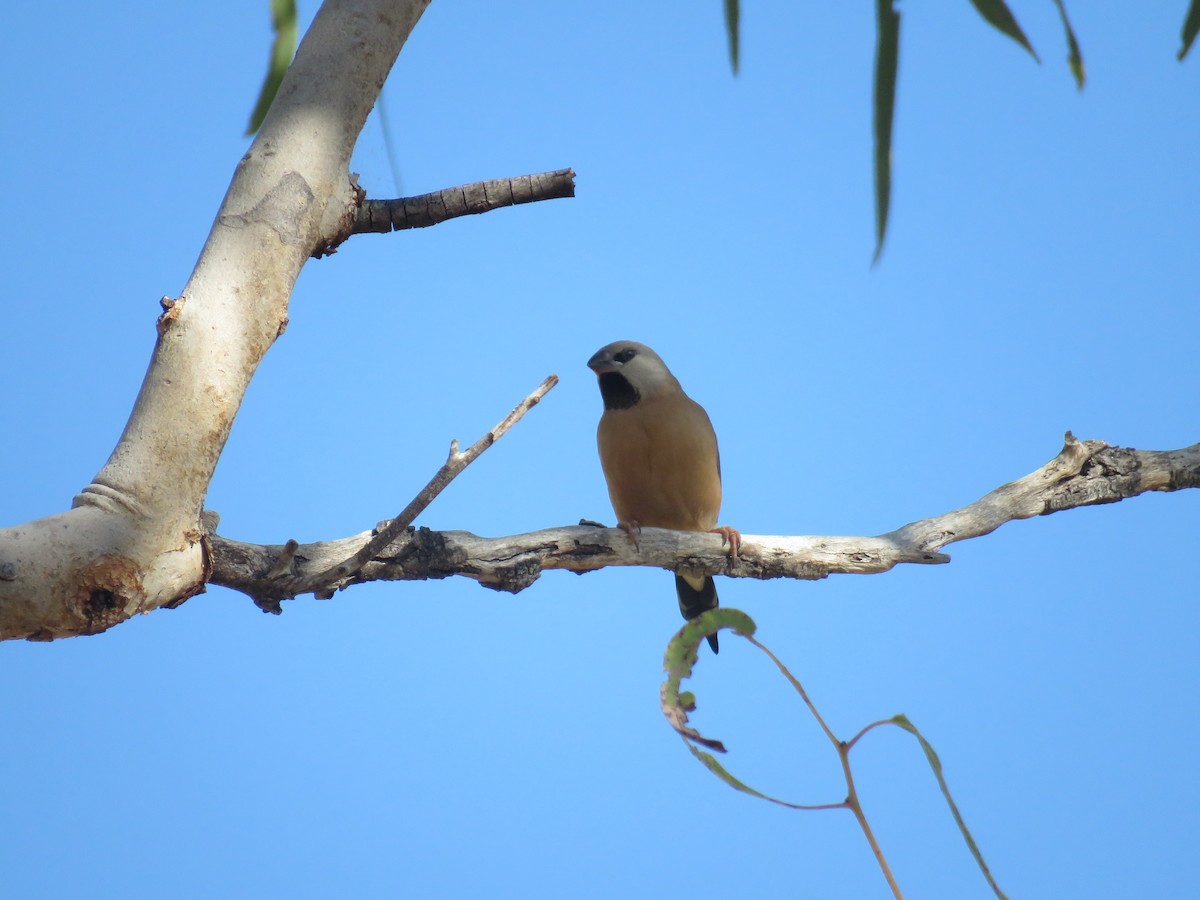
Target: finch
{"points": [[660, 458]]}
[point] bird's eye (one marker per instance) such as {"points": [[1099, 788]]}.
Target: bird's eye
{"points": [[625, 355]]}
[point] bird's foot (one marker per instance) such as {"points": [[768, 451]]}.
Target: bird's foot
{"points": [[632, 529], [732, 537]]}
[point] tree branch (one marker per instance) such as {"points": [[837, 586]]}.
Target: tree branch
{"points": [[324, 583], [133, 539], [382, 216], [1083, 474]]}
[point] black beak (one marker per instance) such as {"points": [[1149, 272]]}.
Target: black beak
{"points": [[601, 362]]}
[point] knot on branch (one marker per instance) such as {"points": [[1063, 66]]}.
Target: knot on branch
{"points": [[171, 306], [1183, 478], [1107, 474], [1111, 461], [513, 577], [269, 604], [110, 591], [421, 553]]}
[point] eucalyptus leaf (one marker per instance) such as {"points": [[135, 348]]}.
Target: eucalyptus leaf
{"points": [[887, 60], [901, 721], [1074, 56], [997, 14], [680, 658], [1191, 25], [733, 15], [713, 765], [283, 21]]}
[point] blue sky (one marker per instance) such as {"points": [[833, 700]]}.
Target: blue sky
{"points": [[441, 740]]}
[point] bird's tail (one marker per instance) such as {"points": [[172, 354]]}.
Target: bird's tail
{"points": [[697, 595]]}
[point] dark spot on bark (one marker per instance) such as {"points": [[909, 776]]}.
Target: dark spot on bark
{"points": [[514, 577], [99, 602]]}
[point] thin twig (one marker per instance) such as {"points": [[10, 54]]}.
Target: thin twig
{"points": [[856, 808], [863, 731], [332, 578], [423, 210], [799, 689], [843, 751]]}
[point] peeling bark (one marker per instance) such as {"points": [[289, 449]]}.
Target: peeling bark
{"points": [[1085, 473]]}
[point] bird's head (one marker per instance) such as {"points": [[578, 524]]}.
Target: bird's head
{"points": [[629, 372]]}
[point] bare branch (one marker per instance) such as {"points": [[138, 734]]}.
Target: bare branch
{"points": [[382, 216], [133, 539], [323, 584], [1083, 474]]}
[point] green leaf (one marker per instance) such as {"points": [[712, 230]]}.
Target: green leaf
{"points": [[901, 721], [1074, 57], [714, 766], [733, 15], [1191, 25], [682, 653], [997, 14], [887, 58], [283, 21]]}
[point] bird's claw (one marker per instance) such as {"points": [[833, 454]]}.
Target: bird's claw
{"points": [[732, 537], [631, 528]]}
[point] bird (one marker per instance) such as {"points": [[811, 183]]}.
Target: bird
{"points": [[659, 454]]}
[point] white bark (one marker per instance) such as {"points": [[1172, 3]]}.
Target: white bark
{"points": [[1085, 473], [132, 541]]}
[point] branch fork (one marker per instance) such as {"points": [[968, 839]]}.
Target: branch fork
{"points": [[281, 580]]}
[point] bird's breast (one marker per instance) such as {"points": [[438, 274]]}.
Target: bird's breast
{"points": [[660, 460]]}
